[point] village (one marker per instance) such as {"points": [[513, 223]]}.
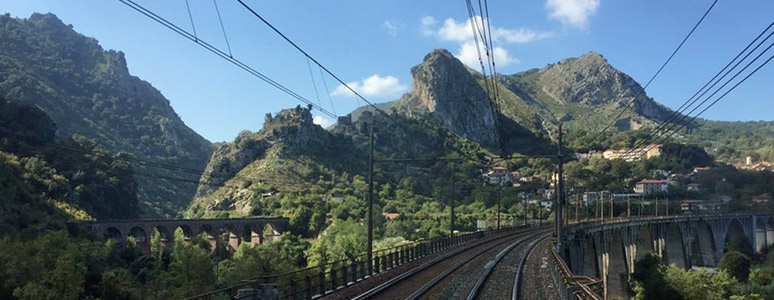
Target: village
{"points": [[650, 195]]}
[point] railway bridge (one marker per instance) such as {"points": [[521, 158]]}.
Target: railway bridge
{"points": [[608, 249], [254, 230]]}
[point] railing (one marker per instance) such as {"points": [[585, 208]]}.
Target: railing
{"points": [[318, 281], [616, 220], [574, 286]]}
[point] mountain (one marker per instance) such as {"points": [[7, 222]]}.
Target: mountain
{"points": [[260, 173], [89, 91], [288, 151], [43, 187], [582, 92]]}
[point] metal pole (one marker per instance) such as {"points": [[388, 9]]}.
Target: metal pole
{"points": [[499, 195], [666, 201], [451, 199], [371, 201], [656, 206], [525, 209], [560, 196], [628, 207], [612, 205], [576, 208]]}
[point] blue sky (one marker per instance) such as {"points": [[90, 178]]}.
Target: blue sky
{"points": [[375, 43]]}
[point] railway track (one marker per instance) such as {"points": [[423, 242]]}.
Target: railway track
{"points": [[458, 269], [500, 277]]}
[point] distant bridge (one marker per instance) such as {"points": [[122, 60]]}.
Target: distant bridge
{"points": [[254, 230], [609, 249]]}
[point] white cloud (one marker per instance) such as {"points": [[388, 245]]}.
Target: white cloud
{"points": [[392, 29], [462, 31], [374, 86], [521, 35], [572, 12], [322, 121], [456, 31], [469, 56], [427, 23]]}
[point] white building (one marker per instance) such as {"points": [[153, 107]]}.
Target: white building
{"points": [[650, 186]]}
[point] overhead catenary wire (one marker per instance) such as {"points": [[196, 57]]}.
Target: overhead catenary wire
{"points": [[314, 84], [695, 97], [642, 88], [666, 133], [726, 93], [324, 68], [477, 32], [147, 163], [153, 16], [702, 91], [223, 28], [190, 16], [257, 15], [328, 92]]}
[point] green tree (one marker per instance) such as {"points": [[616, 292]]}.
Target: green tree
{"points": [[735, 264], [191, 270]]}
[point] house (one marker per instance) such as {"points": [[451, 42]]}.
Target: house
{"points": [[660, 173], [761, 199], [497, 175], [391, 216], [633, 154], [693, 187], [339, 197], [590, 154], [650, 186]]}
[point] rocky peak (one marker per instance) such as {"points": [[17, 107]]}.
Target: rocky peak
{"points": [[286, 134], [446, 89], [588, 79]]}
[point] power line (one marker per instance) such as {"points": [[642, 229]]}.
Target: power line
{"points": [[695, 97], [704, 89], [222, 28], [311, 75], [321, 66], [492, 103], [221, 53], [327, 92], [726, 93], [190, 16], [642, 89], [254, 13]]}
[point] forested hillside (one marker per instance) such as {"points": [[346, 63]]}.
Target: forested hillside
{"points": [[88, 91], [47, 182]]}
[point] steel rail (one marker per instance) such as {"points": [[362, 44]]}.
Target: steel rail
{"points": [[421, 291], [517, 279], [488, 271], [395, 280]]}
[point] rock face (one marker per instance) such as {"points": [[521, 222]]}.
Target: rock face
{"points": [[89, 91], [288, 135], [447, 90], [289, 151], [583, 92], [592, 81]]}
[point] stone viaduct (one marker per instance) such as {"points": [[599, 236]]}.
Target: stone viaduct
{"points": [[608, 250], [255, 230]]}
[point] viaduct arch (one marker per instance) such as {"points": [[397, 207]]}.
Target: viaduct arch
{"points": [[608, 250], [253, 230]]}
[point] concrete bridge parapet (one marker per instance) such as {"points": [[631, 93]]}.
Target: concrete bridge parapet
{"points": [[609, 249]]}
